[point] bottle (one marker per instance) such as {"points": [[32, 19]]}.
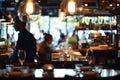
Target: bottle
{"points": [[90, 24]]}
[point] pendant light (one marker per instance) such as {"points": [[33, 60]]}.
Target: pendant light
{"points": [[29, 7], [71, 6]]}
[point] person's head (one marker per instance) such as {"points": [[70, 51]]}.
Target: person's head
{"points": [[62, 36], [19, 24], [12, 45], [48, 38]]}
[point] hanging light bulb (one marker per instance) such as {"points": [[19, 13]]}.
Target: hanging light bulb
{"points": [[62, 11], [29, 7], [81, 8], [71, 6], [62, 14]]}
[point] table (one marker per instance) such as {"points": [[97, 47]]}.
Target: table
{"points": [[68, 62], [103, 55], [73, 56], [5, 55], [61, 74]]}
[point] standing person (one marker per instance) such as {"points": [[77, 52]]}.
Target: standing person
{"points": [[45, 49], [26, 41]]}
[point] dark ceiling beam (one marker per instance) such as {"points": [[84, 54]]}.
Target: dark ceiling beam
{"points": [[89, 0]]}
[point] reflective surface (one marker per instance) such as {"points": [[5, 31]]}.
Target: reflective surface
{"points": [[60, 73]]}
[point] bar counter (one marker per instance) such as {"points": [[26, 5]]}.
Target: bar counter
{"points": [[60, 74], [66, 69]]}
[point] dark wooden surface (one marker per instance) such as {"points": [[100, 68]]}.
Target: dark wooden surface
{"points": [[103, 55]]}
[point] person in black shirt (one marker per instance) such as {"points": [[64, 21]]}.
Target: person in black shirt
{"points": [[26, 41]]}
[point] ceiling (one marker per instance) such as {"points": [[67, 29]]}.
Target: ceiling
{"points": [[9, 6], [52, 6]]}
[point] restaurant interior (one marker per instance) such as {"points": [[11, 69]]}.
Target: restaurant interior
{"points": [[90, 51]]}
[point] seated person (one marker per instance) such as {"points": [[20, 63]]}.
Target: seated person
{"points": [[12, 46], [45, 49]]}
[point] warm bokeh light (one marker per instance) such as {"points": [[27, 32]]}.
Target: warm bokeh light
{"points": [[86, 5], [62, 14], [71, 6], [81, 8], [29, 7], [50, 67]]}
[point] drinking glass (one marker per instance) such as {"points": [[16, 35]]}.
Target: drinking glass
{"points": [[77, 69], [21, 56], [98, 69]]}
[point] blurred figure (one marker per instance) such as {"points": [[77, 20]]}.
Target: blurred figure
{"points": [[26, 41], [73, 40], [62, 37], [45, 49], [12, 38], [41, 34], [12, 46]]}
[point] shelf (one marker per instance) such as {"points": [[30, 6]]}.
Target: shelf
{"points": [[98, 29], [94, 29]]}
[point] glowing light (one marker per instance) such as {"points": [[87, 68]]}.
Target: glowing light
{"points": [[50, 67], [71, 6], [81, 8], [29, 7], [62, 14], [86, 5]]}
